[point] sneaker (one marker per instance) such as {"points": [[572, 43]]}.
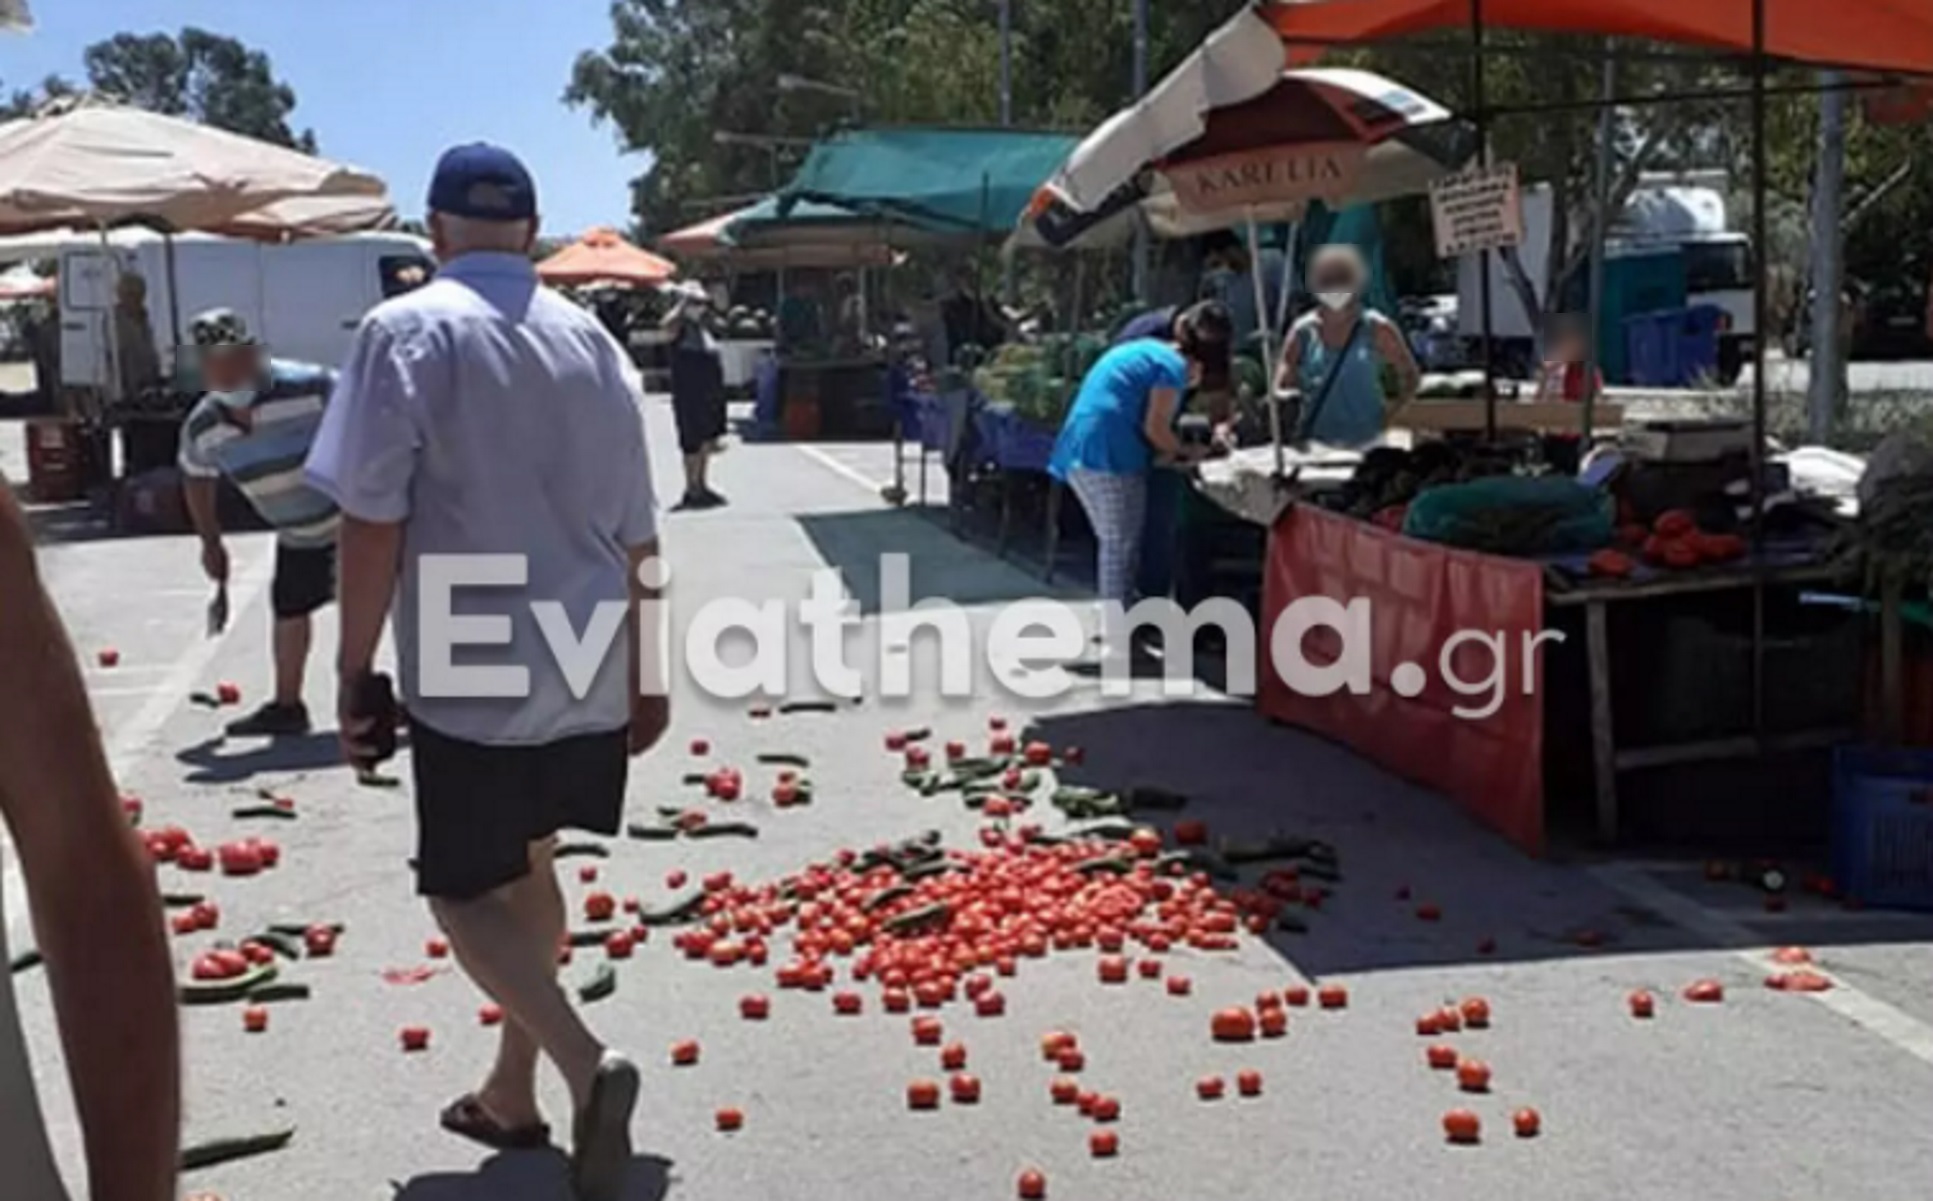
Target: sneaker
{"points": [[713, 500], [272, 721]]}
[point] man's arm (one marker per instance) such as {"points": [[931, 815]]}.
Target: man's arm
{"points": [[199, 479], [369, 553], [1395, 351], [92, 892], [650, 673]]}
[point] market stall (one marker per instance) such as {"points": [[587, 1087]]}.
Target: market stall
{"points": [[1687, 643]]}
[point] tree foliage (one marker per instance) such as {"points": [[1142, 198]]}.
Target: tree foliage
{"points": [[199, 75]]}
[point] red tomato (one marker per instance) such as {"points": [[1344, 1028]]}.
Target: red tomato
{"points": [[1191, 833], [1476, 1013], [437, 948], [255, 1019], [489, 1014], [847, 1003], [729, 1119], [1296, 995], [231, 963], [1462, 1126], [1429, 912], [1274, 1023], [587, 874], [1071, 1059], [989, 1005], [1209, 1088], [415, 1038], [1642, 1004], [618, 945], [257, 953], [1032, 1186], [108, 656], [239, 859], [600, 906], [1150, 969], [1332, 996], [754, 1007], [319, 941], [1705, 992], [228, 693], [895, 1000], [1113, 969], [1248, 1082], [895, 741], [1792, 956], [1103, 1144], [955, 751], [1064, 1091], [1473, 1076], [1106, 1109], [1427, 1027], [923, 1094], [194, 859], [1179, 986], [927, 1031], [1232, 1025], [684, 1053], [1074, 756], [1146, 842], [1441, 1057], [996, 723], [1038, 754], [953, 1056], [965, 1089], [1527, 1123], [675, 878], [1086, 1102]]}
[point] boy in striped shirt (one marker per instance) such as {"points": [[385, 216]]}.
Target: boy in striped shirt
{"points": [[254, 426]]}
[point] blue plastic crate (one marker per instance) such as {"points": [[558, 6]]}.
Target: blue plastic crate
{"points": [[1882, 826]]}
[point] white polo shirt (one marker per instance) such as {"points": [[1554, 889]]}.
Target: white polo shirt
{"points": [[491, 416]]}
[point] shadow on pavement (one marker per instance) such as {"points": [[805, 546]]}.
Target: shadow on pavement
{"points": [[219, 761], [941, 565], [1403, 849], [531, 1176]]}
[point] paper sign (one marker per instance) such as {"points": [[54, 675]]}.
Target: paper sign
{"points": [[1277, 175], [1476, 210]]}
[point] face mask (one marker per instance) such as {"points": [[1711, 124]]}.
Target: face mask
{"points": [[1335, 302], [233, 398]]}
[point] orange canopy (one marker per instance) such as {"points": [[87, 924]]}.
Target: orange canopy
{"points": [[1882, 35], [602, 256]]}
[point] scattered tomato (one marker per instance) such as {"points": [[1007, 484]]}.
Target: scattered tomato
{"points": [[729, 1119], [1802, 980], [1473, 1076], [1427, 1027], [1113, 969], [927, 1031], [1032, 1186], [228, 692], [1038, 754], [1462, 1126], [1274, 1023], [1333, 996], [1150, 969], [1527, 1123], [489, 1014], [1705, 992], [1191, 833], [1071, 1059], [1441, 1056], [1105, 1109], [1180, 986], [964, 1089], [1792, 956], [1476, 1013], [618, 945], [415, 1038], [754, 1007], [255, 1019], [1209, 1088], [1643, 1005], [989, 1005], [847, 1004], [953, 1057], [319, 941], [1103, 1144], [923, 1094], [436, 948], [1248, 1082], [955, 751], [1063, 1090], [600, 906], [1428, 912], [108, 656], [257, 953]]}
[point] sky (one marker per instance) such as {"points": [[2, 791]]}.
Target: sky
{"points": [[388, 84]]}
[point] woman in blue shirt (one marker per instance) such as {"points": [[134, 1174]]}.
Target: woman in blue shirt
{"points": [[1122, 419], [1335, 356]]}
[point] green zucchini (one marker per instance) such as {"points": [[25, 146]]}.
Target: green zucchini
{"points": [[696, 779], [1111, 830], [784, 759], [248, 812], [930, 868], [581, 850], [978, 769], [681, 910], [29, 958], [1112, 864], [601, 984], [587, 938], [288, 946], [915, 919], [297, 930], [919, 734], [726, 829], [268, 994], [181, 900], [224, 1150], [808, 707], [917, 778], [651, 833], [887, 896], [220, 992]]}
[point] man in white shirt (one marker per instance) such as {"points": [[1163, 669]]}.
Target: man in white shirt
{"points": [[96, 911], [484, 415]]}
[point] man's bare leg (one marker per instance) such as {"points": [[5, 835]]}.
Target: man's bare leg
{"points": [[510, 949], [509, 1094], [291, 642]]}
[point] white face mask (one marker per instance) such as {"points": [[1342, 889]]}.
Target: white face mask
{"points": [[1335, 302], [233, 398]]}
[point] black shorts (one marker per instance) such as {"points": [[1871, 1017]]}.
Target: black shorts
{"points": [[305, 580], [697, 399], [479, 807]]}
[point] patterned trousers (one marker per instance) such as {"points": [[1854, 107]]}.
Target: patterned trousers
{"points": [[1117, 508]]}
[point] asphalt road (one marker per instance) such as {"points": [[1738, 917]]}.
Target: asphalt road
{"points": [[1767, 1095]]}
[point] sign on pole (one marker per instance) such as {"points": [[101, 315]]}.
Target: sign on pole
{"points": [[1476, 210]]}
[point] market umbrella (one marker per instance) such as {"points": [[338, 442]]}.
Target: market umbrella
{"points": [[603, 256], [96, 164], [813, 236]]}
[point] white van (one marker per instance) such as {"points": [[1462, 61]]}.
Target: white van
{"points": [[304, 299]]}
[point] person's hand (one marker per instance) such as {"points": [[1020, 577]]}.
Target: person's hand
{"points": [[650, 717], [214, 561], [355, 730]]}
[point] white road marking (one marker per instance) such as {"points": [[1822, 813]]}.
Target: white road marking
{"points": [[1901, 1029], [845, 469], [98, 693], [134, 736]]}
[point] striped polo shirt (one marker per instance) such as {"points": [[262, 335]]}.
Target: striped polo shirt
{"points": [[265, 458]]}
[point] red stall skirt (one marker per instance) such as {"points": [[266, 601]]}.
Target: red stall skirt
{"points": [[1420, 595]]}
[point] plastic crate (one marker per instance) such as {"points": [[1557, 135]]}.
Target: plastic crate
{"points": [[1882, 826]]}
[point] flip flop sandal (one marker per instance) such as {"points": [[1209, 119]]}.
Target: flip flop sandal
{"points": [[601, 1132], [467, 1118]]}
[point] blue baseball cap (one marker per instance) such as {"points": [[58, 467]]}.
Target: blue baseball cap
{"points": [[484, 183]]}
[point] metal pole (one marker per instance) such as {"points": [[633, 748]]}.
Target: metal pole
{"points": [[1759, 307], [1595, 358], [1481, 119], [1268, 340], [1828, 255], [1140, 90]]}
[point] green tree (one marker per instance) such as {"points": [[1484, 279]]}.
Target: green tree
{"points": [[204, 76], [24, 103]]}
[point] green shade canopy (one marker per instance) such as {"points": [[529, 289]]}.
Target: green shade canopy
{"points": [[963, 181]]}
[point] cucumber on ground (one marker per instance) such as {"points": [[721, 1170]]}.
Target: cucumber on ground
{"points": [[784, 759], [223, 1150], [270, 993], [930, 868], [582, 850], [915, 919], [220, 992], [696, 779], [887, 896], [651, 833], [682, 910], [29, 958], [588, 938], [298, 929], [809, 707], [601, 984], [1114, 865], [725, 830], [181, 900], [288, 946], [921, 734], [247, 812]]}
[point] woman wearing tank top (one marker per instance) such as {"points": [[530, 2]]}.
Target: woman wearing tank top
{"points": [[1334, 357]]}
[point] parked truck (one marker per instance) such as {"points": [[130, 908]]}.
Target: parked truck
{"points": [[1678, 215]]}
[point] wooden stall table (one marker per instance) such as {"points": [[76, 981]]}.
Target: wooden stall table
{"points": [[1780, 567], [1513, 416]]}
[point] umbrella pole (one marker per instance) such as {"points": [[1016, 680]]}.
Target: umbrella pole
{"points": [[1268, 340]]}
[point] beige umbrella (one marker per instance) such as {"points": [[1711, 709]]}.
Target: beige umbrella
{"points": [[97, 164]]}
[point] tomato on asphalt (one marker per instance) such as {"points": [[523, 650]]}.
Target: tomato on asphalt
{"points": [[729, 1119], [1441, 1056], [1473, 1076], [255, 1019], [1643, 1005], [923, 1094], [1476, 1013], [1210, 1088], [1248, 1082], [965, 1089], [1462, 1126], [1232, 1025], [684, 1053], [1527, 1122], [415, 1038], [1032, 1186]]}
